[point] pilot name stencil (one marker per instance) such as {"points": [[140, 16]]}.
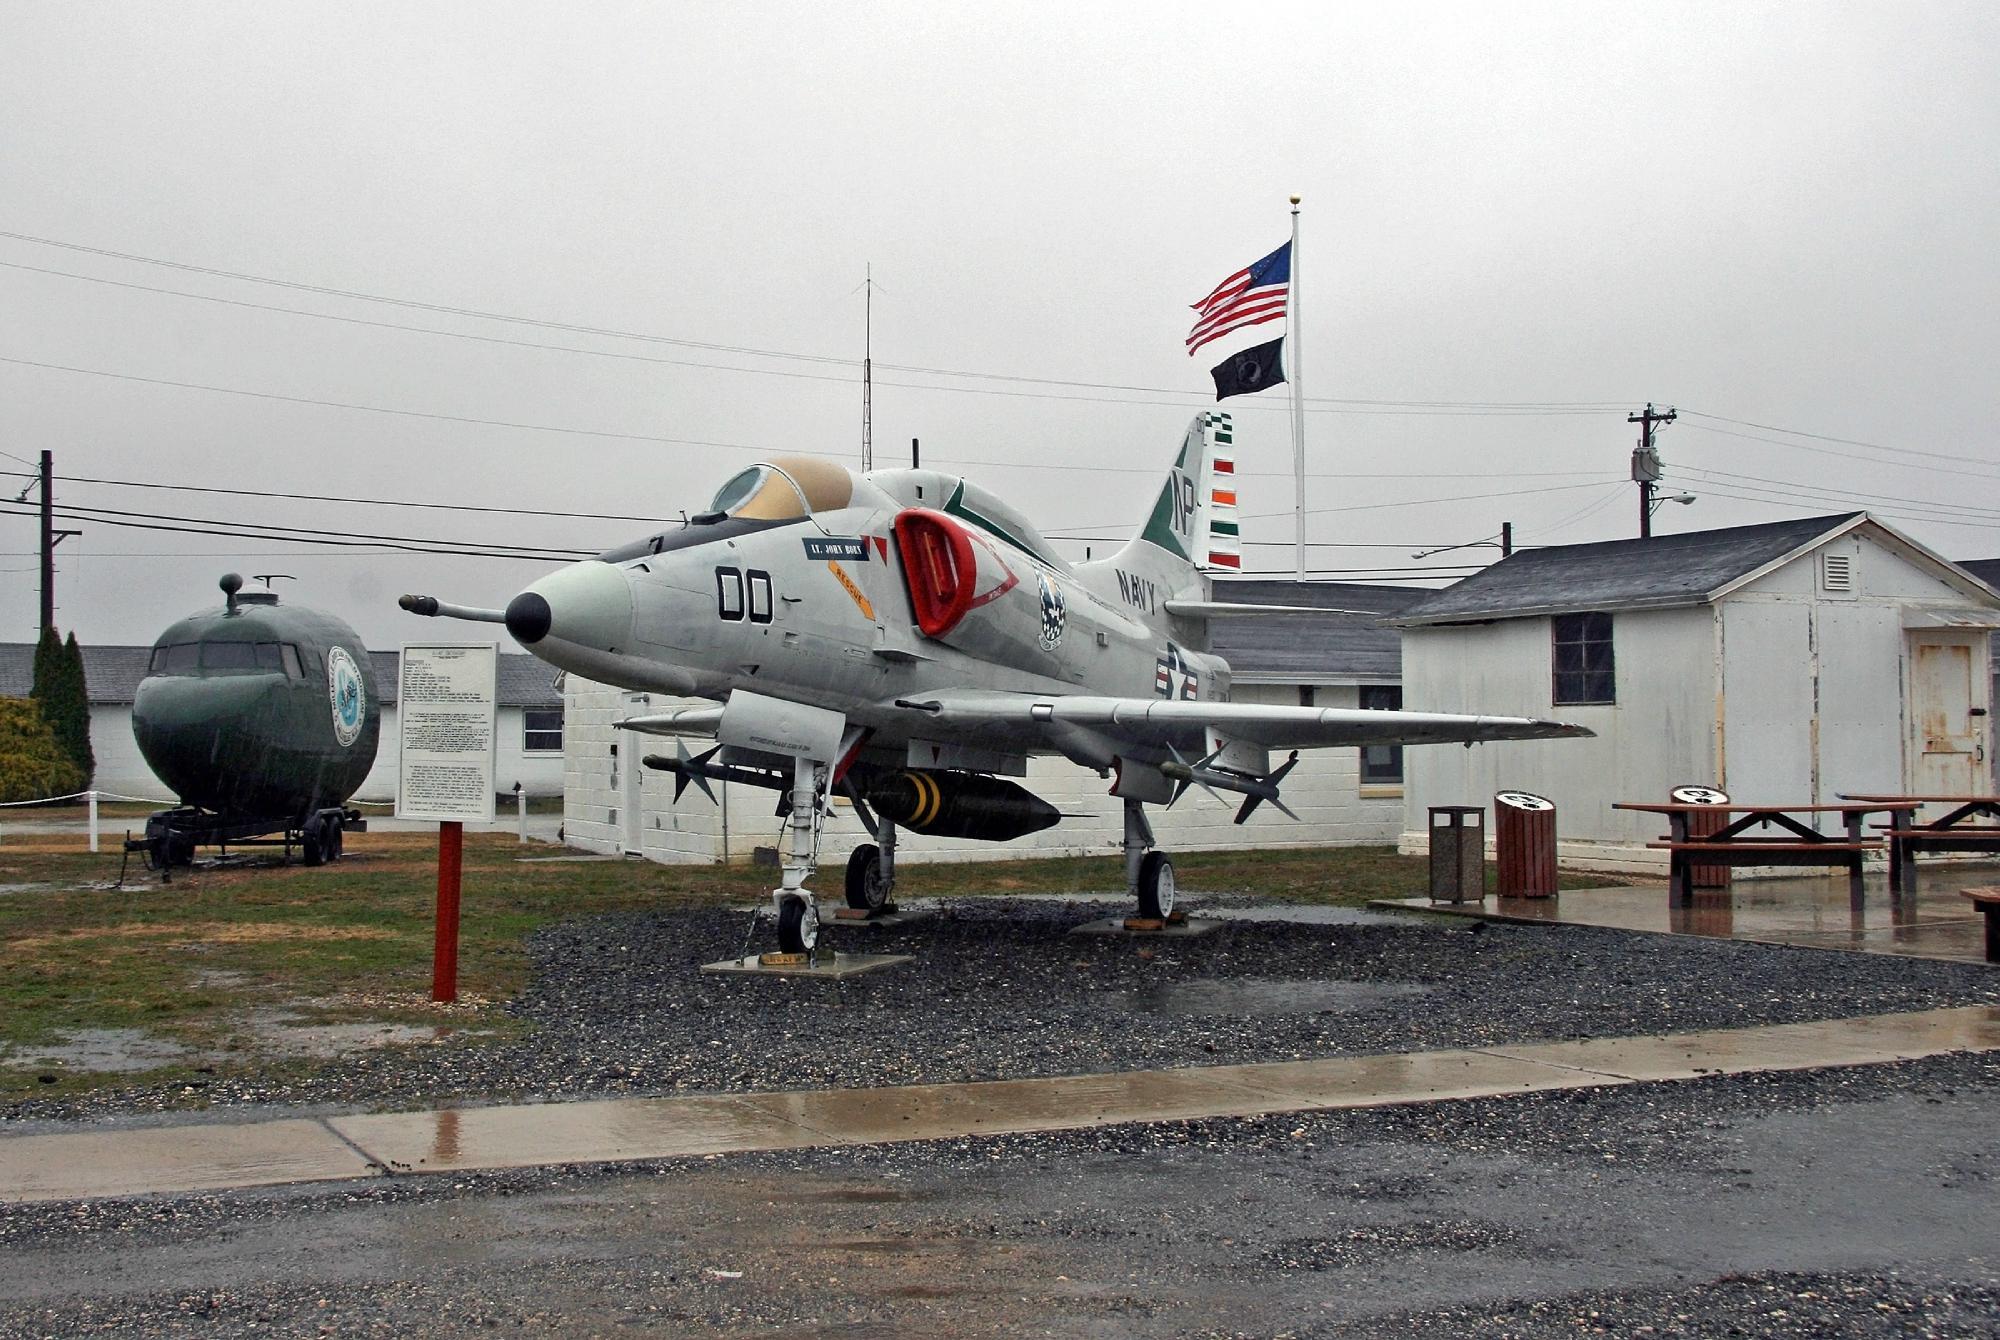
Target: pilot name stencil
{"points": [[826, 546]]}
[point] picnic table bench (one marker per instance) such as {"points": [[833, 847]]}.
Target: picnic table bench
{"points": [[1988, 902], [1797, 842], [1950, 832]]}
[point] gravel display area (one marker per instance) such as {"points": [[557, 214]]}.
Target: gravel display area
{"points": [[1847, 1202], [1000, 990]]}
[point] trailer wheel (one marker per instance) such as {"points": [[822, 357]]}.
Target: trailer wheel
{"points": [[312, 842], [332, 838]]}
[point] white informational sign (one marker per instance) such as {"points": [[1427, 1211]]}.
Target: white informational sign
{"points": [[446, 706]]}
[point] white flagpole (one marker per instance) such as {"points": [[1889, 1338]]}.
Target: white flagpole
{"points": [[1298, 392]]}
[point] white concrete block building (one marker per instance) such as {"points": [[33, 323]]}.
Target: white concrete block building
{"points": [[612, 803], [1785, 663]]}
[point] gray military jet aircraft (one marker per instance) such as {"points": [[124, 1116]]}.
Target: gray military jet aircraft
{"points": [[905, 638]]}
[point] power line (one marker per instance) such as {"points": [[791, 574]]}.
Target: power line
{"points": [[370, 502], [92, 513], [223, 529], [1844, 455], [1353, 405], [1843, 441], [1830, 493]]}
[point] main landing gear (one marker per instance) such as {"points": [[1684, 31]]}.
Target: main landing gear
{"points": [[1149, 875], [871, 870]]}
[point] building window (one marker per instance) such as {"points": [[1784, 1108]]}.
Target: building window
{"points": [[1584, 671], [1382, 764], [541, 730]]}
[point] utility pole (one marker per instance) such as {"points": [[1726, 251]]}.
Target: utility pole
{"points": [[51, 537], [1646, 464]]}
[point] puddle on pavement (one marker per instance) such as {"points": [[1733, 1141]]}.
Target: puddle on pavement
{"points": [[1266, 995], [1304, 914], [281, 1032], [102, 1050]]}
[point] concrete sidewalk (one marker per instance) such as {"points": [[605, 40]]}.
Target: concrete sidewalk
{"points": [[196, 1157]]}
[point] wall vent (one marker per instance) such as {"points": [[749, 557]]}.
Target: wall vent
{"points": [[1836, 572]]}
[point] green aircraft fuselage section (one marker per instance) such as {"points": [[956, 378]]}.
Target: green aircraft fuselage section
{"points": [[264, 710]]}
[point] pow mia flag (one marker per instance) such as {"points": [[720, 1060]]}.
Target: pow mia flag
{"points": [[1254, 369]]}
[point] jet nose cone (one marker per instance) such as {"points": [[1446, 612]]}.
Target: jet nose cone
{"points": [[528, 618], [587, 605]]}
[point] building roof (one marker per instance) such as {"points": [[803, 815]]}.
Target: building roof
{"points": [[113, 675], [1337, 647], [1663, 571], [1985, 569]]}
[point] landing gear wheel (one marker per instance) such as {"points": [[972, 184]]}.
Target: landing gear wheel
{"points": [[867, 891], [1156, 886], [331, 840], [312, 842], [798, 925]]}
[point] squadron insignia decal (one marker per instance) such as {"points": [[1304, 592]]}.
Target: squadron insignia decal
{"points": [[343, 691], [1054, 612]]}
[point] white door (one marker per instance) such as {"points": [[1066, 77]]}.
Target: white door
{"points": [[1949, 741]]}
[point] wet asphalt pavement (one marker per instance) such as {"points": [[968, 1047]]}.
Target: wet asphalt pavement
{"points": [[1854, 1201], [1833, 1202]]}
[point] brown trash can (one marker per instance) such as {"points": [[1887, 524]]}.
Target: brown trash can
{"points": [[1704, 875], [1524, 838], [1458, 853]]}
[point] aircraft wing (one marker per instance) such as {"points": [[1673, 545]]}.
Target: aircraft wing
{"points": [[1157, 722]]}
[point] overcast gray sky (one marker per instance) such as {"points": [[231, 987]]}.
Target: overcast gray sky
{"points": [[1780, 216]]}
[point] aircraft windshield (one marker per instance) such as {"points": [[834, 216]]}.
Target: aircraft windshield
{"points": [[760, 494]]}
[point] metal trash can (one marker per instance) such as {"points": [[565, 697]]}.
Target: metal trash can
{"points": [[1704, 875], [1524, 840], [1458, 853]]}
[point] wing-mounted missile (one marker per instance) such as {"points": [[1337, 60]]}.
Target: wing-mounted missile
{"points": [[1209, 774], [701, 769]]}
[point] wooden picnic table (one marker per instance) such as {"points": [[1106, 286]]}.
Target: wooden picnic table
{"points": [[1798, 842], [1952, 831]]}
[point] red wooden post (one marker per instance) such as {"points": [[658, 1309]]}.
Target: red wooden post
{"points": [[444, 954]]}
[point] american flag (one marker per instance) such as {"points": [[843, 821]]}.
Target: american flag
{"points": [[1251, 296]]}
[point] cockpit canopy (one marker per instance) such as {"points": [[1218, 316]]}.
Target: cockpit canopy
{"points": [[787, 489]]}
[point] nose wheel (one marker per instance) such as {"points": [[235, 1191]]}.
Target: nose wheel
{"points": [[798, 925]]}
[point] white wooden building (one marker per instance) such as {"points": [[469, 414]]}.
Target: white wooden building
{"points": [[529, 727], [1342, 796], [1786, 663]]}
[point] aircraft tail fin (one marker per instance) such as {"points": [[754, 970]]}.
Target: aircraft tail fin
{"points": [[1192, 528]]}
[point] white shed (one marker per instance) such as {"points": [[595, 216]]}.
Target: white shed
{"points": [[1344, 658], [1787, 662]]}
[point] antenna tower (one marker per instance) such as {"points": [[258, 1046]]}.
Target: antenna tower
{"points": [[868, 372]]}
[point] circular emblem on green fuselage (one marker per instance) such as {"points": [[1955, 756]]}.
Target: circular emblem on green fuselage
{"points": [[344, 692]]}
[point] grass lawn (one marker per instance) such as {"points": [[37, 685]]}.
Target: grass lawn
{"points": [[188, 962]]}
